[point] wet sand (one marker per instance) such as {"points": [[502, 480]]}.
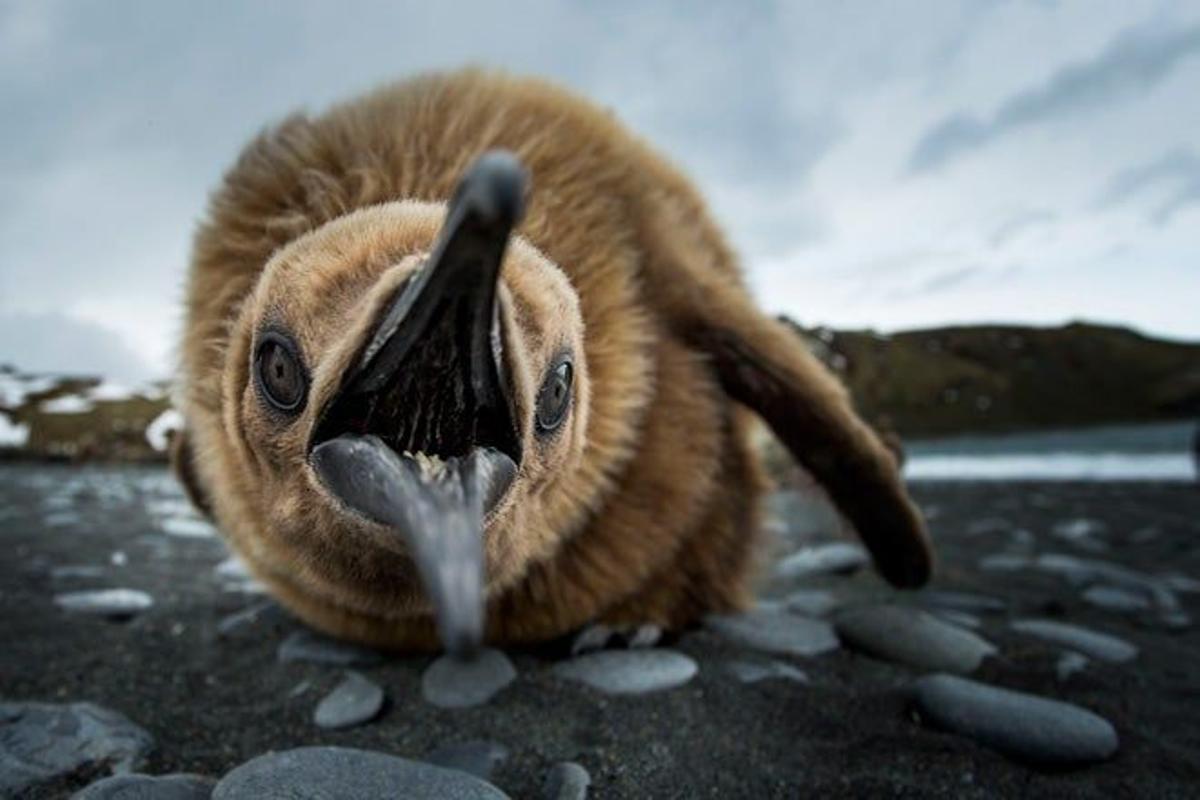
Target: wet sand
{"points": [[212, 702]]}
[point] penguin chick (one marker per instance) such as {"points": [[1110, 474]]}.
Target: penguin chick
{"points": [[422, 412]]}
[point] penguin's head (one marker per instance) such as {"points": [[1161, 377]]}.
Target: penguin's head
{"points": [[407, 387]]}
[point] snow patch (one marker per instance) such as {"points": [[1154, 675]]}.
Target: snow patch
{"points": [[14, 389], [158, 432], [67, 404], [12, 434], [187, 527], [109, 391]]}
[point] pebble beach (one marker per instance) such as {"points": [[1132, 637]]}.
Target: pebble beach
{"points": [[1054, 655]]}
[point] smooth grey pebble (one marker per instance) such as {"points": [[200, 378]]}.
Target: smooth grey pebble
{"points": [[239, 621], [1070, 663], [1176, 620], [801, 516], [1181, 583], [629, 671], [453, 682], [328, 772], [114, 603], [962, 601], [752, 672], [960, 618], [1004, 562], [646, 635], [76, 571], [591, 637], [479, 757], [566, 781], [1100, 646], [1023, 726], [912, 637], [1088, 571], [315, 648], [988, 525], [810, 602], [39, 741], [1114, 598], [352, 702], [822, 559], [178, 786], [775, 632]]}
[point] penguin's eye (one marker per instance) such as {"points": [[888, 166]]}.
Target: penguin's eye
{"points": [[281, 378], [554, 398]]}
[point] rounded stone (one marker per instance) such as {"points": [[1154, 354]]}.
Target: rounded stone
{"points": [[76, 571], [1078, 530], [988, 526], [1114, 598], [453, 682], [775, 632], [115, 603], [352, 702], [316, 773], [254, 620], [479, 757], [40, 741], [1176, 620], [960, 618], [810, 602], [801, 516], [1091, 571], [912, 637], [149, 787], [962, 601], [566, 781], [1070, 663], [1178, 582], [1004, 562], [1100, 646], [629, 671], [822, 559], [187, 527], [752, 672], [1023, 726], [306, 645]]}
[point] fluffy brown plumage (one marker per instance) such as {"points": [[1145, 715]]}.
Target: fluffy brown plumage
{"points": [[645, 509]]}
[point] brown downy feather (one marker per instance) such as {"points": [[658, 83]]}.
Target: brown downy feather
{"points": [[653, 515]]}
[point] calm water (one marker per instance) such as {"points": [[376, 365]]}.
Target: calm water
{"points": [[1127, 452]]}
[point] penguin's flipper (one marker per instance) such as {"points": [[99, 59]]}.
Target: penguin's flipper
{"points": [[765, 366]]}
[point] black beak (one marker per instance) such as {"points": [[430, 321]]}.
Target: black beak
{"points": [[420, 436]]}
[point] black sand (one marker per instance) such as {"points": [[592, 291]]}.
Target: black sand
{"points": [[213, 703]]}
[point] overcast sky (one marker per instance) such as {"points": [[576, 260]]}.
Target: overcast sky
{"points": [[877, 164]]}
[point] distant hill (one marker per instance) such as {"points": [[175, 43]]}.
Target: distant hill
{"points": [[938, 382], [997, 378], [71, 418]]}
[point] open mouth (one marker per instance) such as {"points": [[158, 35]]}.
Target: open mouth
{"points": [[421, 436]]}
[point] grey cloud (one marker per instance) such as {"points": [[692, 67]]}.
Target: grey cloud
{"points": [[947, 280], [1188, 195], [53, 342], [957, 276], [120, 116], [1133, 62], [125, 116], [1177, 170], [1018, 224]]}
